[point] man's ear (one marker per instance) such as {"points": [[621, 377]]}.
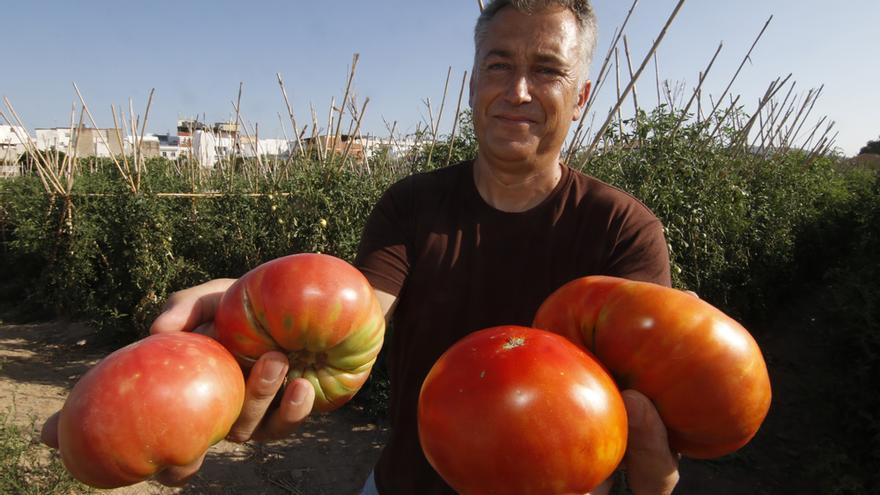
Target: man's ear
{"points": [[583, 97]]}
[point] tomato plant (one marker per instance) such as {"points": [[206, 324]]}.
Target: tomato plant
{"points": [[514, 410], [156, 403], [317, 309], [703, 370]]}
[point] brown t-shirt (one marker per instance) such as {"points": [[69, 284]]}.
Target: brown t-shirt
{"points": [[458, 265]]}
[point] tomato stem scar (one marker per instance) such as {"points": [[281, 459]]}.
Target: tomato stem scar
{"points": [[513, 342]]}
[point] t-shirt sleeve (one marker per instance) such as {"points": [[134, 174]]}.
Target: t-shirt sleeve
{"points": [[384, 251], [641, 253]]}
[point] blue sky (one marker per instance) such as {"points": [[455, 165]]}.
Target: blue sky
{"points": [[195, 54]]}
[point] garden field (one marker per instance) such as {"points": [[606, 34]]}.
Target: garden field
{"points": [[781, 236]]}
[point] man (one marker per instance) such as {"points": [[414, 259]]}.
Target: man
{"points": [[479, 244]]}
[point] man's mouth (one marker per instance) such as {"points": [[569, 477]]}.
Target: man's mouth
{"points": [[515, 119]]}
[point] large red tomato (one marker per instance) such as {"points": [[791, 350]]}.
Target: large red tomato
{"points": [[703, 370], [514, 410], [156, 403], [317, 309]]}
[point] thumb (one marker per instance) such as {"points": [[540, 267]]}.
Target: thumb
{"points": [[189, 308], [49, 432]]}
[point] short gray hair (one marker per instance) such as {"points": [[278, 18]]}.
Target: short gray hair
{"points": [[583, 13]]}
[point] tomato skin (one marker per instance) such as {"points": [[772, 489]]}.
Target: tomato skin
{"points": [[514, 410], [703, 370], [156, 403], [317, 309]]}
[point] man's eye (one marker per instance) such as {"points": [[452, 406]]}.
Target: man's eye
{"points": [[549, 71], [498, 66]]}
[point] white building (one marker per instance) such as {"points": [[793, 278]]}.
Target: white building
{"points": [[56, 137], [12, 142], [397, 147], [12, 145], [271, 147], [156, 145], [169, 146]]}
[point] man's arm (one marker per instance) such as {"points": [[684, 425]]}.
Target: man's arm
{"points": [[388, 302]]}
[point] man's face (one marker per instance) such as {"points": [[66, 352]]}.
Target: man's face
{"points": [[523, 89]]}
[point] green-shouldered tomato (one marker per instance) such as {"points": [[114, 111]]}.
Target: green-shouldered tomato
{"points": [[317, 309]]}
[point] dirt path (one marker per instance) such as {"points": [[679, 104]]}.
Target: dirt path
{"points": [[331, 454]]}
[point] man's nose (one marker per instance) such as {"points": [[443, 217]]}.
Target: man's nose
{"points": [[519, 89]]}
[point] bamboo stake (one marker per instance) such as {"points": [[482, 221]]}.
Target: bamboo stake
{"points": [[809, 140], [697, 90], [134, 133], [743, 63], [657, 78], [774, 87], [125, 175], [391, 141], [70, 159], [617, 85], [290, 114], [436, 127], [329, 152], [394, 143], [455, 120], [357, 129], [236, 145], [354, 61], [630, 69], [48, 175], [118, 136], [763, 131], [774, 126], [34, 156], [809, 111], [723, 119], [578, 138], [779, 128], [637, 74], [315, 134], [139, 165]]}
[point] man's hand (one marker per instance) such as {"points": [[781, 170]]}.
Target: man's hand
{"points": [[193, 309], [651, 467]]}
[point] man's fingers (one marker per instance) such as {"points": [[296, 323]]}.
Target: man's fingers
{"points": [[647, 431], [49, 433], [651, 467], [189, 308], [179, 475], [266, 378], [296, 404]]}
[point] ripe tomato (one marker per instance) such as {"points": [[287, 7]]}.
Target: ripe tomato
{"points": [[317, 309], [514, 410], [703, 370], [156, 403]]}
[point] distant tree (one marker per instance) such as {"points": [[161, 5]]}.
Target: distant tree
{"points": [[872, 147]]}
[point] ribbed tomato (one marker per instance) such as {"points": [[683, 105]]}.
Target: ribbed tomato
{"points": [[156, 403], [514, 410], [703, 370], [317, 309]]}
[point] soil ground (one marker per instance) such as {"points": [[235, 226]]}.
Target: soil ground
{"points": [[333, 454], [330, 454]]}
